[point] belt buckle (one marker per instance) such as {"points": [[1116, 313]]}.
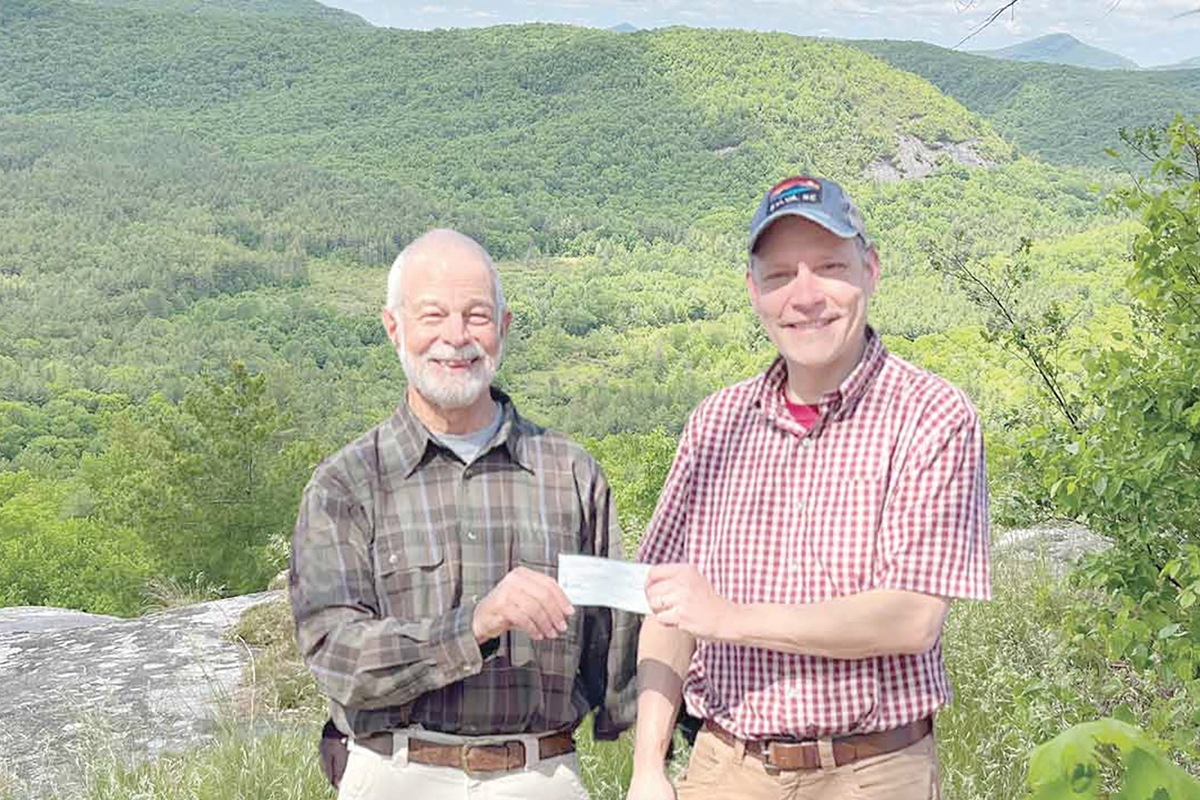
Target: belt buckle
{"points": [[769, 758], [464, 757], [800, 748]]}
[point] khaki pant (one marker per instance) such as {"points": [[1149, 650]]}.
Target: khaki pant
{"points": [[370, 776], [718, 771]]}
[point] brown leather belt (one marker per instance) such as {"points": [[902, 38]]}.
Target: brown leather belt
{"points": [[785, 755], [472, 758]]}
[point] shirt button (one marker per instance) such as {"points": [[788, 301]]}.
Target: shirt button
{"points": [[795, 566], [474, 598], [806, 442], [471, 535], [393, 559]]}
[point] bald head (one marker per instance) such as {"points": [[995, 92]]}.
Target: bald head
{"points": [[444, 251]]}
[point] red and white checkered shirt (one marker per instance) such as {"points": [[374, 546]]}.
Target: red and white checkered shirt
{"points": [[888, 490]]}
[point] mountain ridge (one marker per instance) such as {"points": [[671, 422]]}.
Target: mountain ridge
{"points": [[1061, 48], [283, 9], [1060, 113], [606, 124]]}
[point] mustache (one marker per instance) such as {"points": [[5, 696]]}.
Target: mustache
{"points": [[444, 352]]}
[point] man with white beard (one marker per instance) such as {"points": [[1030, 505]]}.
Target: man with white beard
{"points": [[424, 561]]}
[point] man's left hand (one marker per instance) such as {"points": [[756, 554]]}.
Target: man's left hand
{"points": [[680, 597]]}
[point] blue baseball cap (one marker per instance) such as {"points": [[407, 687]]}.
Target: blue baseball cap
{"points": [[816, 199]]}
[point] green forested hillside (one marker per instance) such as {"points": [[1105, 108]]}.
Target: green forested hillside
{"points": [[1061, 114], [180, 193], [197, 213], [1061, 48], [299, 9], [535, 137]]}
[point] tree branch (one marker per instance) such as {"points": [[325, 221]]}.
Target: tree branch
{"points": [[981, 27]]}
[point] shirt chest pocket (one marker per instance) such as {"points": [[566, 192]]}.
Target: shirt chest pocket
{"points": [[840, 529], [413, 577], [537, 548]]}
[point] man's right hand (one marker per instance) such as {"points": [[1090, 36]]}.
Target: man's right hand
{"points": [[650, 784], [524, 600]]}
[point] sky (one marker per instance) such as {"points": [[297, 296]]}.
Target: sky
{"points": [[1142, 30]]}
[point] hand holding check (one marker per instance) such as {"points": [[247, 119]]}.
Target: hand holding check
{"points": [[683, 598], [677, 595]]}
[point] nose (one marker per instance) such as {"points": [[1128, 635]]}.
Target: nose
{"points": [[805, 290], [454, 330]]}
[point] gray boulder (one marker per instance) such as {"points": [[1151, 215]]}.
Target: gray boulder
{"points": [[1060, 543], [76, 686]]}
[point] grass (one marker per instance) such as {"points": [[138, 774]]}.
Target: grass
{"points": [[277, 680], [238, 766], [1017, 685], [165, 593]]}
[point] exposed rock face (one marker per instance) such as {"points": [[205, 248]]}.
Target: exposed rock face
{"points": [[916, 159], [1060, 543], [74, 686], [33, 619]]}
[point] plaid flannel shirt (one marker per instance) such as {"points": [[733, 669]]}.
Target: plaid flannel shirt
{"points": [[396, 542]]}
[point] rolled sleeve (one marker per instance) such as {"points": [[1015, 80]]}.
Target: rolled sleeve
{"points": [[934, 531], [357, 657]]}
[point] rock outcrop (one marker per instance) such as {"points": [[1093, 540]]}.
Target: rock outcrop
{"points": [[76, 686], [916, 159], [1059, 543]]}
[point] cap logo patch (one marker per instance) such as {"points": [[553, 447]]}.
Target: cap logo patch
{"points": [[793, 190]]}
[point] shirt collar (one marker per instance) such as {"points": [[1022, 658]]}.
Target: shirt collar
{"points": [[837, 404], [412, 439]]}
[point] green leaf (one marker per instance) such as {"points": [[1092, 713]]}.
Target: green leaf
{"points": [[1068, 766], [1125, 714], [1169, 631]]}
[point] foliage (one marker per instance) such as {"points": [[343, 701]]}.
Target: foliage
{"points": [[1132, 468], [50, 557], [1019, 680], [1114, 444], [636, 466], [303, 9], [1092, 759], [206, 482], [1055, 112]]}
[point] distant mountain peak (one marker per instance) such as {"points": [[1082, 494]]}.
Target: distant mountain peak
{"points": [[624, 27], [1189, 63], [1062, 48], [1055, 38]]}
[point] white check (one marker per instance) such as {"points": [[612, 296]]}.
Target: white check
{"points": [[592, 581]]}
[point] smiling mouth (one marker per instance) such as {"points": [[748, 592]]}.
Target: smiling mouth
{"points": [[814, 325], [455, 363]]}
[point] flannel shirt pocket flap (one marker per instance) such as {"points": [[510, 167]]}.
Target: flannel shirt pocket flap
{"points": [[394, 554]]}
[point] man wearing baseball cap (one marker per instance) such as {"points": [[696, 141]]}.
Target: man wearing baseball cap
{"points": [[816, 522]]}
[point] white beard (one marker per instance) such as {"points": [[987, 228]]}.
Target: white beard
{"points": [[442, 390]]}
